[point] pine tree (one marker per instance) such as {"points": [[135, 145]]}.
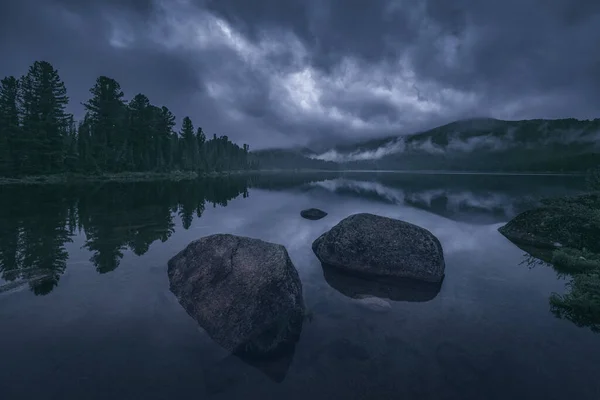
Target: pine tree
{"points": [[43, 99], [201, 140], [190, 144], [175, 151], [165, 133], [106, 111], [140, 112], [84, 147], [163, 122], [10, 151], [71, 156]]}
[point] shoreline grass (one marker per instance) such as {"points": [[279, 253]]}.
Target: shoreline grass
{"points": [[190, 175], [112, 177]]}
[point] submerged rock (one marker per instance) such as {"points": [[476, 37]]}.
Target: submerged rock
{"points": [[244, 292], [313, 214], [375, 246]]}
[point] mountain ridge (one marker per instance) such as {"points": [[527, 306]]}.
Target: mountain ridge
{"points": [[478, 144]]}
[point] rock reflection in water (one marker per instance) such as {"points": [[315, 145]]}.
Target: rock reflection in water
{"points": [[358, 286], [227, 372]]}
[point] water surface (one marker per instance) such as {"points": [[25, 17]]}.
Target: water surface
{"points": [[90, 315]]}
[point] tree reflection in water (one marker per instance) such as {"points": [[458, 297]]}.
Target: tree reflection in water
{"points": [[37, 221]]}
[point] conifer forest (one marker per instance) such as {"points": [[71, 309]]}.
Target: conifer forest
{"points": [[38, 136]]}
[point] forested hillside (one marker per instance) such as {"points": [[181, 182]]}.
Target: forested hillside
{"points": [[483, 144], [38, 136]]}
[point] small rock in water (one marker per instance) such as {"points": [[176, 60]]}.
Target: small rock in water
{"points": [[313, 214]]}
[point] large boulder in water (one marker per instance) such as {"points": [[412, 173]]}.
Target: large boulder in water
{"points": [[244, 292], [371, 245]]}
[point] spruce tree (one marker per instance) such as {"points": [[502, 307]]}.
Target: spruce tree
{"points": [[10, 150], [162, 125], [165, 133], [106, 111], [189, 144], [140, 112], [201, 140], [43, 99], [84, 147], [71, 156]]}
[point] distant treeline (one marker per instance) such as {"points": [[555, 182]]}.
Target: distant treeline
{"points": [[38, 136]]}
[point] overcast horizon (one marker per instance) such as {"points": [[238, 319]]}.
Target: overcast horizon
{"points": [[290, 73]]}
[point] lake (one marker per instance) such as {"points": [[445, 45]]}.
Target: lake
{"points": [[89, 314]]}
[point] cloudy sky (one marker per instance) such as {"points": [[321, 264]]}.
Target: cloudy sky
{"points": [[295, 72]]}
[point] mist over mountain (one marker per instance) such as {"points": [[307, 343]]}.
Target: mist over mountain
{"points": [[481, 144]]}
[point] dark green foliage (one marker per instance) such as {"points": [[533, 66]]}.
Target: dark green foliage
{"points": [[201, 143], [44, 122], [37, 136], [189, 145], [593, 179], [575, 261], [140, 126], [106, 116], [9, 126], [581, 304], [165, 121]]}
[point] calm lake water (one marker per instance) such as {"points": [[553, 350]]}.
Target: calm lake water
{"points": [[101, 323]]}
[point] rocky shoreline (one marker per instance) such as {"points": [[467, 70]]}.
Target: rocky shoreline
{"points": [[565, 232]]}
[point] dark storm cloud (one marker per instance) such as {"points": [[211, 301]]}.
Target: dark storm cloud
{"points": [[331, 29], [499, 48], [518, 48], [143, 8], [365, 106], [271, 72]]}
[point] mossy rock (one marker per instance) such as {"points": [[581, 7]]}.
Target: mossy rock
{"points": [[562, 222]]}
